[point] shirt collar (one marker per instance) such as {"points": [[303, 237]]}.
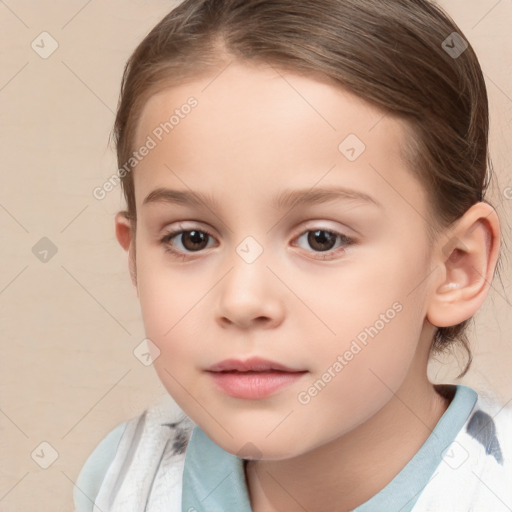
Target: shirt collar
{"points": [[213, 479]]}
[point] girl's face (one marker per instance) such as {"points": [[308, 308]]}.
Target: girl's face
{"points": [[307, 247]]}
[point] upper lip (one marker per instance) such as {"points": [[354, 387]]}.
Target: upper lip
{"points": [[252, 364]]}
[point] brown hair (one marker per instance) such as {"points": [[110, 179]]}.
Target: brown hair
{"points": [[395, 54]]}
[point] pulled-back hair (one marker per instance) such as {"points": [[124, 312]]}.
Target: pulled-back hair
{"points": [[395, 54]]}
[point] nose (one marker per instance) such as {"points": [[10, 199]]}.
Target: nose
{"points": [[250, 296]]}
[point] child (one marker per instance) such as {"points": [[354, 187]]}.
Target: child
{"points": [[305, 225]]}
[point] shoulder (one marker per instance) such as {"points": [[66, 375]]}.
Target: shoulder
{"points": [[476, 467], [138, 464], [93, 471]]}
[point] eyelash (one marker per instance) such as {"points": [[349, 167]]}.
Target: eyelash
{"points": [[346, 241]]}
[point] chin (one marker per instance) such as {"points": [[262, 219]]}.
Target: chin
{"points": [[255, 444]]}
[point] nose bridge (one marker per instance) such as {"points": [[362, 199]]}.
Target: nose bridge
{"points": [[247, 280], [247, 251], [250, 250]]}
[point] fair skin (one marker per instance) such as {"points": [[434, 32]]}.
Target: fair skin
{"points": [[252, 136]]}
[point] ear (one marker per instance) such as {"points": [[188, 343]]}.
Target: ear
{"points": [[124, 235], [467, 263]]}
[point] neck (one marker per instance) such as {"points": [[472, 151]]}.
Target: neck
{"points": [[360, 463]]}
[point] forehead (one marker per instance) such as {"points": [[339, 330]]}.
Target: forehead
{"points": [[254, 124], [263, 95]]}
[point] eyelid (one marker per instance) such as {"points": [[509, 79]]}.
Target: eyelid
{"points": [[180, 228], [315, 225], [312, 225], [191, 225]]}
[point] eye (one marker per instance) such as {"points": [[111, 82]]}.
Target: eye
{"points": [[324, 240], [188, 241]]}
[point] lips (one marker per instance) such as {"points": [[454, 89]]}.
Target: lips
{"points": [[253, 364], [252, 379]]}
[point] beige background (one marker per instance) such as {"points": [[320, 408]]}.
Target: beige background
{"points": [[69, 326]]}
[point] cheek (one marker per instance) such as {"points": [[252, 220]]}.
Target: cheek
{"points": [[372, 301], [376, 313], [165, 304], [368, 359], [173, 312], [170, 322], [165, 295]]}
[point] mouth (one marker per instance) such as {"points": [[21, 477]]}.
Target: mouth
{"points": [[253, 364], [254, 378]]}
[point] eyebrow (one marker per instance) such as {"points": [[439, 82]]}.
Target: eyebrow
{"points": [[286, 199], [291, 198]]}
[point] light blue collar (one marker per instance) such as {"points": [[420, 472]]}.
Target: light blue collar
{"points": [[214, 480]]}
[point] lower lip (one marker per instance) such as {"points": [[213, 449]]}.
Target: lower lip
{"points": [[253, 385]]}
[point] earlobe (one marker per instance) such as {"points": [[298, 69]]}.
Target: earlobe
{"points": [[466, 267]]}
